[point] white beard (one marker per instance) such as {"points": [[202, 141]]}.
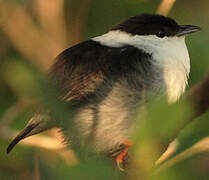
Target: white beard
{"points": [[169, 53]]}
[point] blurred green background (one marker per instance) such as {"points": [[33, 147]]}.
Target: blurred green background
{"points": [[32, 33]]}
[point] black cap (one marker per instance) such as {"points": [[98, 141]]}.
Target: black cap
{"points": [[149, 24]]}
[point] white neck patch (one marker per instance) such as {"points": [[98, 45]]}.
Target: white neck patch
{"points": [[170, 54]]}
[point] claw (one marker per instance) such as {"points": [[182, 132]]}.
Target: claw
{"points": [[120, 158], [119, 166]]}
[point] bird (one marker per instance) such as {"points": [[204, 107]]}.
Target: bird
{"points": [[109, 78]]}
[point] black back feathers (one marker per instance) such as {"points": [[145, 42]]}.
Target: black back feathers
{"points": [[80, 69]]}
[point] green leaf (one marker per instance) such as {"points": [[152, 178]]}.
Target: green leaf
{"points": [[193, 133]]}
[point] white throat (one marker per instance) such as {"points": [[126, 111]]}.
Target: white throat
{"points": [[170, 54]]}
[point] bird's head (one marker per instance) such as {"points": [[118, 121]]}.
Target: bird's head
{"points": [[146, 29], [163, 39], [156, 25]]}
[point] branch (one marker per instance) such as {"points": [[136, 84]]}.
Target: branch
{"points": [[39, 45], [81, 16], [198, 96], [201, 146], [22, 31], [51, 16], [165, 7]]}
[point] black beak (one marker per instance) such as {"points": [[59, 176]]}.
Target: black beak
{"points": [[22, 135], [187, 29]]}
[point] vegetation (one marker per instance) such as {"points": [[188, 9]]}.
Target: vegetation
{"points": [[32, 33]]}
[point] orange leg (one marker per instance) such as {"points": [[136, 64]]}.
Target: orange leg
{"points": [[120, 157]]}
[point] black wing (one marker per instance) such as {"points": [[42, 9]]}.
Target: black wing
{"points": [[82, 68]]}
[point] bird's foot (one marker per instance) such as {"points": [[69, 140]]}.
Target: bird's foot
{"points": [[121, 154]]}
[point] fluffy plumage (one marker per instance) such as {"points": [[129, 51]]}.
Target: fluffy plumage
{"points": [[109, 78], [104, 89]]}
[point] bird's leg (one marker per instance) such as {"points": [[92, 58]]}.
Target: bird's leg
{"points": [[121, 154], [121, 158]]}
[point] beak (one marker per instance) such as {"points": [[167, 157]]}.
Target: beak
{"points": [[26, 132], [36, 125], [187, 29]]}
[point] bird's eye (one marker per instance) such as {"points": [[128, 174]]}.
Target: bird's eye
{"points": [[160, 34]]}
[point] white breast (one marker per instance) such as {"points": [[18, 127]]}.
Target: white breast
{"points": [[170, 54]]}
